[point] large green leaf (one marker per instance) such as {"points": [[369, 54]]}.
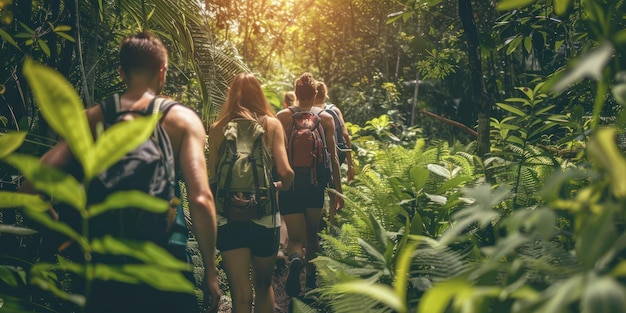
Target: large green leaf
{"points": [[145, 251], [619, 93], [16, 230], [603, 149], [9, 142], [504, 5], [44, 219], [44, 276], [590, 65], [381, 293], [511, 109], [59, 185], [403, 266], [419, 175], [437, 299], [155, 276], [62, 108], [7, 277], [560, 295], [481, 212], [597, 236], [12, 304], [454, 182], [560, 6], [11, 200], [372, 251], [440, 170], [603, 295], [128, 199], [118, 140]]}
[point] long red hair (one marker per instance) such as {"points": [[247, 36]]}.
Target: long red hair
{"points": [[245, 99]]}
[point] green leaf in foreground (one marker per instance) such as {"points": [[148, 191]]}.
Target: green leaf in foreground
{"points": [[55, 183], [129, 199], [61, 107], [9, 142], [118, 140], [144, 251], [155, 276]]}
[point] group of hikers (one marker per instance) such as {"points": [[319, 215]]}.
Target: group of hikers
{"points": [[264, 170]]}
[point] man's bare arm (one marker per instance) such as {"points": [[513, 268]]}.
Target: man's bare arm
{"points": [[190, 138]]}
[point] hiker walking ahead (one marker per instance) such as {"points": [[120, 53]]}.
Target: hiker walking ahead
{"points": [[309, 130], [289, 99], [342, 136], [143, 65], [342, 141], [245, 143]]}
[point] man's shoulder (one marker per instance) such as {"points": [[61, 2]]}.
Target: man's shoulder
{"points": [[182, 117], [179, 110]]}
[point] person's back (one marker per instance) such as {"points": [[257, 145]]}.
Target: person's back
{"points": [[247, 241], [143, 64], [302, 205], [342, 136]]}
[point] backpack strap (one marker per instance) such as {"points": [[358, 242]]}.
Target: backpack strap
{"points": [[229, 147], [317, 111], [110, 106], [294, 109], [255, 173], [161, 104]]}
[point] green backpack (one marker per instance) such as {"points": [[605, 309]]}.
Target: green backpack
{"points": [[242, 185]]}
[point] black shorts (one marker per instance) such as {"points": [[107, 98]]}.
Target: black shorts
{"points": [[297, 201], [262, 241], [304, 194]]}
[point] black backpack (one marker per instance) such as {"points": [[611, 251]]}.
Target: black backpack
{"points": [[342, 146], [149, 168]]}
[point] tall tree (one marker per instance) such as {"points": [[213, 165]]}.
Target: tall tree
{"points": [[478, 92]]}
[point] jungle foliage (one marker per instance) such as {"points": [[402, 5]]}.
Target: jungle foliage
{"points": [[534, 225]]}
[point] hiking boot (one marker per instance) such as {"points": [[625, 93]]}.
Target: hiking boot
{"points": [[292, 285]]}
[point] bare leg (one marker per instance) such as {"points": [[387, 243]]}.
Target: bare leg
{"points": [[236, 264], [296, 228], [284, 235], [313, 217], [262, 272]]}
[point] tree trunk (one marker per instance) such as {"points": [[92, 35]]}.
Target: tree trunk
{"points": [[478, 92]]}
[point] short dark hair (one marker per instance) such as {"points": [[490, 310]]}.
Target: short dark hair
{"points": [[321, 90], [142, 53], [305, 87]]}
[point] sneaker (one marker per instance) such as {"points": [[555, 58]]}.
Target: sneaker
{"points": [[292, 285]]}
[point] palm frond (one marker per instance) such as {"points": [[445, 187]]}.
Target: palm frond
{"points": [[185, 25]]}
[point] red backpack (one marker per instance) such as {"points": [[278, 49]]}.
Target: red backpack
{"points": [[306, 146]]}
